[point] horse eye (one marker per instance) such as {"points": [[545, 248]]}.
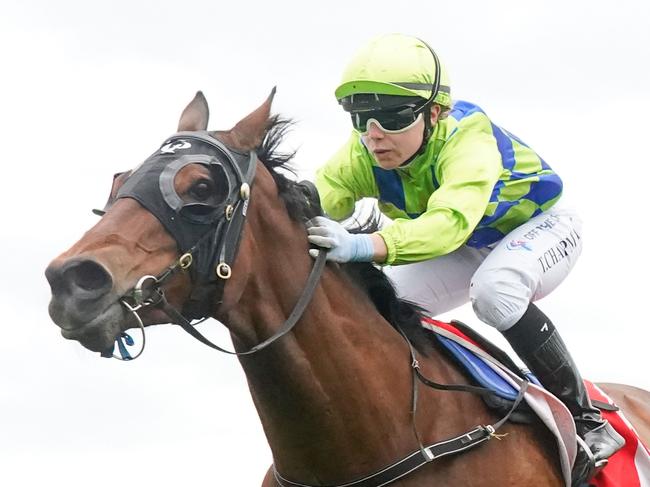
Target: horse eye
{"points": [[202, 189]]}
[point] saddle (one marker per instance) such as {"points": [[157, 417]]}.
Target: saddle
{"points": [[503, 393], [484, 364]]}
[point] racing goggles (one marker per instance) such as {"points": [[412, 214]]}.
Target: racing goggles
{"points": [[393, 121]]}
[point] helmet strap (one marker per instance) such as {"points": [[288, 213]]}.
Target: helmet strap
{"points": [[428, 130]]}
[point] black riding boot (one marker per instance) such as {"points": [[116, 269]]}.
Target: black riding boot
{"points": [[539, 345]]}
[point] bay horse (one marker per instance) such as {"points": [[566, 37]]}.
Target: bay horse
{"points": [[335, 392]]}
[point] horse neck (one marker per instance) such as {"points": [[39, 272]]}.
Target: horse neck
{"points": [[334, 394]]}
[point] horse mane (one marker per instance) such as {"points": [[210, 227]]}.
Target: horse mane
{"points": [[403, 315]]}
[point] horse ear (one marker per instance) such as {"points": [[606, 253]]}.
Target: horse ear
{"points": [[195, 116], [249, 132]]}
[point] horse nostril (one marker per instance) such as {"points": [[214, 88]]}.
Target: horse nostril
{"points": [[88, 275], [84, 277]]}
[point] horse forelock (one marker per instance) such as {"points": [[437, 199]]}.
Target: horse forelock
{"points": [[300, 206]]}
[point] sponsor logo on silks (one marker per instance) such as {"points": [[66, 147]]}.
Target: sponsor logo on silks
{"points": [[548, 223], [518, 244], [170, 147], [559, 252]]}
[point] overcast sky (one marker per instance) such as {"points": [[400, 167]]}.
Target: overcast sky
{"points": [[90, 89]]}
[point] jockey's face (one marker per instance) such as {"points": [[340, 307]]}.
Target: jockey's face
{"points": [[392, 150]]}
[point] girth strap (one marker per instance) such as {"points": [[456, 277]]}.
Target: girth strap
{"points": [[412, 462], [425, 454], [407, 465], [422, 456]]}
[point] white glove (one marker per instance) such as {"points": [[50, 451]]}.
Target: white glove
{"points": [[343, 246]]}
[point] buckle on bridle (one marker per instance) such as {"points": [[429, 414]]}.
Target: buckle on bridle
{"points": [[229, 212], [139, 292], [185, 261], [245, 191], [223, 270]]}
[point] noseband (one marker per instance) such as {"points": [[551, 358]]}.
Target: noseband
{"points": [[207, 233]]}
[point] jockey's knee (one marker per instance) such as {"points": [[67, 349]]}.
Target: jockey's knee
{"points": [[499, 298]]}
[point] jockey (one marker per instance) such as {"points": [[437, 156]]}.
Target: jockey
{"points": [[474, 212]]}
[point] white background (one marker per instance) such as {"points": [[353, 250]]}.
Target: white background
{"points": [[89, 89]]}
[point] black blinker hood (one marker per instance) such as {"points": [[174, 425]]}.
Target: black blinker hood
{"points": [[152, 184]]}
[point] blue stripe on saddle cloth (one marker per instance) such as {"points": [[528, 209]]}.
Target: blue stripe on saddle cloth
{"points": [[481, 371]]}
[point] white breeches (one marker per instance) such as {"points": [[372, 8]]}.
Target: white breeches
{"points": [[526, 265]]}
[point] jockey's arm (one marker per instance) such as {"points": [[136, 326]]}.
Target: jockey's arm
{"points": [[379, 248], [468, 167]]}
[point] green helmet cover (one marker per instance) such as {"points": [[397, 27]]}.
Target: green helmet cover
{"points": [[394, 64]]}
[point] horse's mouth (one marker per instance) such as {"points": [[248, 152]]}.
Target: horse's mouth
{"points": [[99, 334]]}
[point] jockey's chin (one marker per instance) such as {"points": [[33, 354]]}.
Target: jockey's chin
{"points": [[390, 151]]}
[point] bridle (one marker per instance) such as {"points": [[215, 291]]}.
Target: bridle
{"points": [[209, 240]]}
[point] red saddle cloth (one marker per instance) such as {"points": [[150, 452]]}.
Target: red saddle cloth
{"points": [[629, 467]]}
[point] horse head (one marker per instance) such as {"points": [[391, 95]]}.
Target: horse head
{"points": [[174, 222]]}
